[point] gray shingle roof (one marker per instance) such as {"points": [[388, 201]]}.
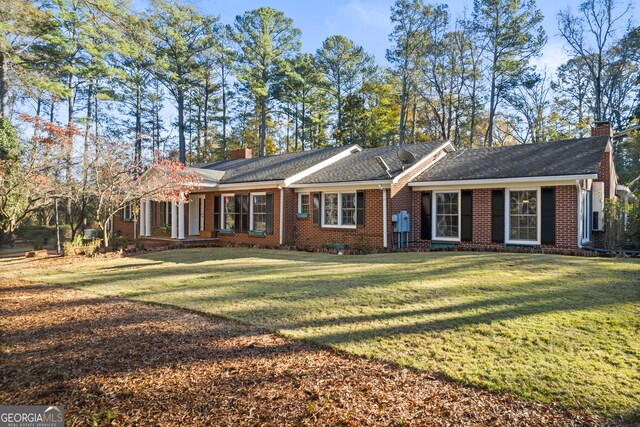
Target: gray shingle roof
{"points": [[362, 166], [271, 168], [568, 157]]}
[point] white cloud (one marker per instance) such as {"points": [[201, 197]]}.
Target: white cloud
{"points": [[553, 55]]}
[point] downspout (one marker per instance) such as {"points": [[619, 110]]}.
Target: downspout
{"points": [[281, 214], [579, 209], [384, 218]]}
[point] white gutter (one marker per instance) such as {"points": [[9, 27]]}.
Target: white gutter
{"points": [[281, 214], [384, 218], [250, 185], [377, 184], [501, 180], [579, 219]]}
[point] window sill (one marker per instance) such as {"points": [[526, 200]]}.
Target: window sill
{"points": [[344, 227], [226, 231], [253, 233], [301, 215], [446, 239], [530, 243]]}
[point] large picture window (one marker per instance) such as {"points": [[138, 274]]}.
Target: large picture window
{"points": [[258, 212], [447, 217], [228, 211], [339, 210], [523, 215]]}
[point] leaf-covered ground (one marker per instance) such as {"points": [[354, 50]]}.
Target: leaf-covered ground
{"points": [[129, 363], [550, 328]]}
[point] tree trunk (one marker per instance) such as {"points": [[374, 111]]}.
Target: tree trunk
{"points": [[413, 123], [138, 149], [87, 132], [492, 111], [403, 108], [302, 138], [181, 139], [263, 126], [224, 113], [4, 87], [205, 117], [295, 127]]}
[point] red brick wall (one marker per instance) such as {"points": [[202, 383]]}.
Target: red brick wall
{"points": [[606, 175], [369, 236], [123, 228], [566, 219], [402, 198]]}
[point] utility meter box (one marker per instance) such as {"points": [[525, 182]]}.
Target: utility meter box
{"points": [[403, 224]]}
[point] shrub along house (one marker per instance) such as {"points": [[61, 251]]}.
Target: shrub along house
{"points": [[548, 195]]}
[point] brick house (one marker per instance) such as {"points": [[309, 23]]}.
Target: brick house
{"points": [[548, 195]]}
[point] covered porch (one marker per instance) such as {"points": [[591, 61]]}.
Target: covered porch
{"points": [[181, 220]]}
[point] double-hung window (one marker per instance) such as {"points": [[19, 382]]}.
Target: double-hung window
{"points": [[258, 212], [127, 212], [303, 203], [339, 210], [447, 215], [228, 211], [523, 211]]}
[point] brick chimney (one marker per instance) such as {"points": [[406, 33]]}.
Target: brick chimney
{"points": [[242, 153], [602, 128]]}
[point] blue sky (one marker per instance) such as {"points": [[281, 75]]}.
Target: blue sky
{"points": [[367, 21]]}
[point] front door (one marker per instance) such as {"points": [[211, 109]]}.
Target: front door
{"points": [[196, 214]]}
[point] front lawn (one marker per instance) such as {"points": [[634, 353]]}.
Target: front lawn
{"points": [[546, 327]]}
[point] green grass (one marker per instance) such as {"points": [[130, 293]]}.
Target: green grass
{"points": [[546, 327]]}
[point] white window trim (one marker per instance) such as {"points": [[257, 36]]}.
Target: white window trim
{"points": [[222, 196], [507, 219], [251, 208], [339, 224], [300, 201], [130, 208], [434, 217]]}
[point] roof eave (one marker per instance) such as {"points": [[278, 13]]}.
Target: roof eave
{"points": [[510, 180]]}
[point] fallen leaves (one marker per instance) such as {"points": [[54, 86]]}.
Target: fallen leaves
{"points": [[116, 362]]}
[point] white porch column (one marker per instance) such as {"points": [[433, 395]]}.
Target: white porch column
{"points": [[142, 217], [174, 220], [147, 217], [181, 217]]}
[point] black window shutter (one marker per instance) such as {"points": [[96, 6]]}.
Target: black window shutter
{"points": [[497, 216], [269, 225], [466, 220], [316, 208], [360, 208], [244, 216], [425, 216], [548, 216], [122, 214], [216, 212], [237, 205]]}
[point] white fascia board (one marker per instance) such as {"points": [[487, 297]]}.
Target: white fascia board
{"points": [[446, 146], [251, 185], [502, 182], [342, 186], [323, 164]]}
